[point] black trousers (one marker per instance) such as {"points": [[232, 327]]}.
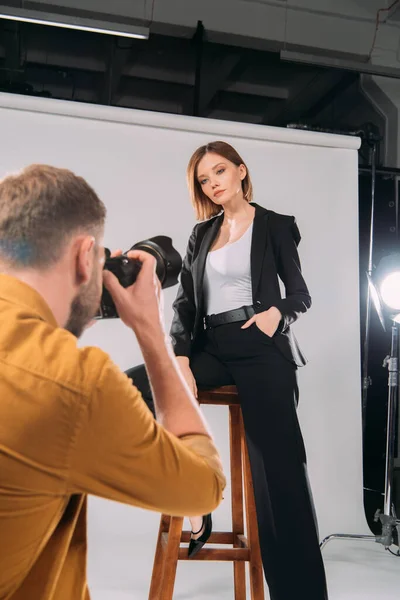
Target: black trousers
{"points": [[268, 392]]}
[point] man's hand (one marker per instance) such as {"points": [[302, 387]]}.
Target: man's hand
{"points": [[92, 322], [139, 305], [267, 321]]}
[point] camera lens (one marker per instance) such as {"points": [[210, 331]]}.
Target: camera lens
{"points": [[168, 267]]}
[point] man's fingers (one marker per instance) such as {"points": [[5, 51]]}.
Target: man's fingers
{"points": [[249, 322], [116, 253], [148, 261], [110, 281]]}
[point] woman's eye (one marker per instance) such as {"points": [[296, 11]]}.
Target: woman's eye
{"points": [[220, 171], [203, 181]]}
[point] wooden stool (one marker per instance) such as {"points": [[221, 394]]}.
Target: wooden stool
{"points": [[245, 549]]}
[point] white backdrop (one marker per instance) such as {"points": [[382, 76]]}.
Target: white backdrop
{"points": [[136, 161]]}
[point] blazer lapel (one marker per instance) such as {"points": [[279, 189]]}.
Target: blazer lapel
{"points": [[258, 246], [200, 262]]}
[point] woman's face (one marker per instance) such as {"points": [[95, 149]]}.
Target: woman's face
{"points": [[220, 179]]}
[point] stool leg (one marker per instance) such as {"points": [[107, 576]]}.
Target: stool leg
{"points": [[159, 559], [239, 568], [171, 557], [255, 565]]}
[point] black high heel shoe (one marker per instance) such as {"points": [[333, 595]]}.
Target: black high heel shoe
{"points": [[196, 545]]}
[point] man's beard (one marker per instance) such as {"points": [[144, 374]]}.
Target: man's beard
{"points": [[83, 308]]}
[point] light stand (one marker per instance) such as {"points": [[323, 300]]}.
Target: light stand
{"points": [[388, 518], [387, 303]]}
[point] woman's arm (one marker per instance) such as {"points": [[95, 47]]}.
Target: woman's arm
{"points": [[184, 305], [286, 238]]}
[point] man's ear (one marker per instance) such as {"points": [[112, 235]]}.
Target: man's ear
{"points": [[84, 258]]}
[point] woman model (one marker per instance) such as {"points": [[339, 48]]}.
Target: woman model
{"points": [[231, 327]]}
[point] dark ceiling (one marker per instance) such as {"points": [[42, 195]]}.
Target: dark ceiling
{"points": [[170, 74]]}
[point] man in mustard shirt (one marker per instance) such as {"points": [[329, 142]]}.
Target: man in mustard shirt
{"points": [[71, 423]]}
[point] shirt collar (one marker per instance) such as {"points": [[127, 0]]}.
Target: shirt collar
{"points": [[15, 291]]}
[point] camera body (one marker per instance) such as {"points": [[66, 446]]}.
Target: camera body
{"points": [[126, 270]]}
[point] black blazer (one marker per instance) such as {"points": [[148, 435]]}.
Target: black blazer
{"points": [[274, 253]]}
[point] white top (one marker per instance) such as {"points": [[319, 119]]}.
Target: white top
{"points": [[227, 277]]}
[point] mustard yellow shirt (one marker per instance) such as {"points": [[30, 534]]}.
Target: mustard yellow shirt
{"points": [[72, 424]]}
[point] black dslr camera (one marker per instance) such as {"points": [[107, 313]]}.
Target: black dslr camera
{"points": [[169, 264]]}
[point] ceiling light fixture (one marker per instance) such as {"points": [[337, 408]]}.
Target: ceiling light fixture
{"points": [[73, 22]]}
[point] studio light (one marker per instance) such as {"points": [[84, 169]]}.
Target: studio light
{"points": [[384, 284], [390, 291], [73, 22]]}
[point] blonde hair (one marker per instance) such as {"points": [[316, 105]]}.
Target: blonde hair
{"points": [[203, 206], [40, 209]]}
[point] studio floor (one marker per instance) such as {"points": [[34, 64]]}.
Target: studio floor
{"points": [[355, 571]]}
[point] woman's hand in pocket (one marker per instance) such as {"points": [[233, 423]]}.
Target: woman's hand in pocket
{"points": [[268, 321]]}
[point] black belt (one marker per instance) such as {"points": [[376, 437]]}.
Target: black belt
{"points": [[230, 316]]}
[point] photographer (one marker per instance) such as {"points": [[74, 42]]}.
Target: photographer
{"points": [[71, 423]]}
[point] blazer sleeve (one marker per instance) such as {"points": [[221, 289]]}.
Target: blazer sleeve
{"points": [[286, 238], [184, 305]]}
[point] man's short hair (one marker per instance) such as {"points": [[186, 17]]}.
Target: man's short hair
{"points": [[41, 208]]}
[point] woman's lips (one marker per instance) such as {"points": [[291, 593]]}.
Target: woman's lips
{"points": [[217, 194]]}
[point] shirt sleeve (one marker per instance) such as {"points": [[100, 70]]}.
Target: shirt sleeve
{"points": [[121, 453]]}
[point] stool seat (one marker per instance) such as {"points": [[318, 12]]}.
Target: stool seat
{"points": [[226, 396], [245, 548]]}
